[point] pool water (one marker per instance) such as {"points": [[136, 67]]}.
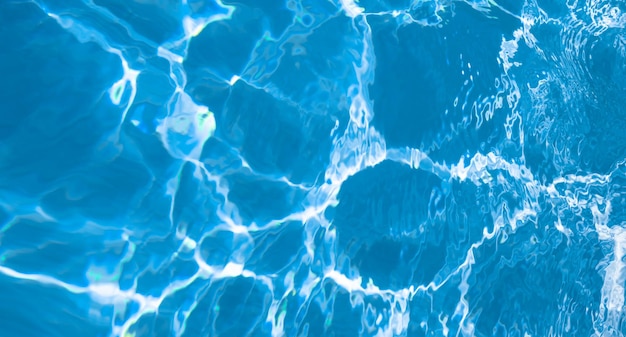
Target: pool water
{"points": [[312, 168]]}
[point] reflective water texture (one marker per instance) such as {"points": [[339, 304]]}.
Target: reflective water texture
{"points": [[312, 168]]}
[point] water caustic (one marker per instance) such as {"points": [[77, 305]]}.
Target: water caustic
{"points": [[312, 168]]}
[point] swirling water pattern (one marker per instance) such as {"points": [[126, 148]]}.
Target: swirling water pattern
{"points": [[312, 168]]}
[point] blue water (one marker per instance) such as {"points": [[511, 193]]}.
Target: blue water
{"points": [[312, 168]]}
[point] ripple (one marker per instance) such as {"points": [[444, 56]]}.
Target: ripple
{"points": [[343, 168]]}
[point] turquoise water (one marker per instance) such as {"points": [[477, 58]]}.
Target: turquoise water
{"points": [[312, 168]]}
